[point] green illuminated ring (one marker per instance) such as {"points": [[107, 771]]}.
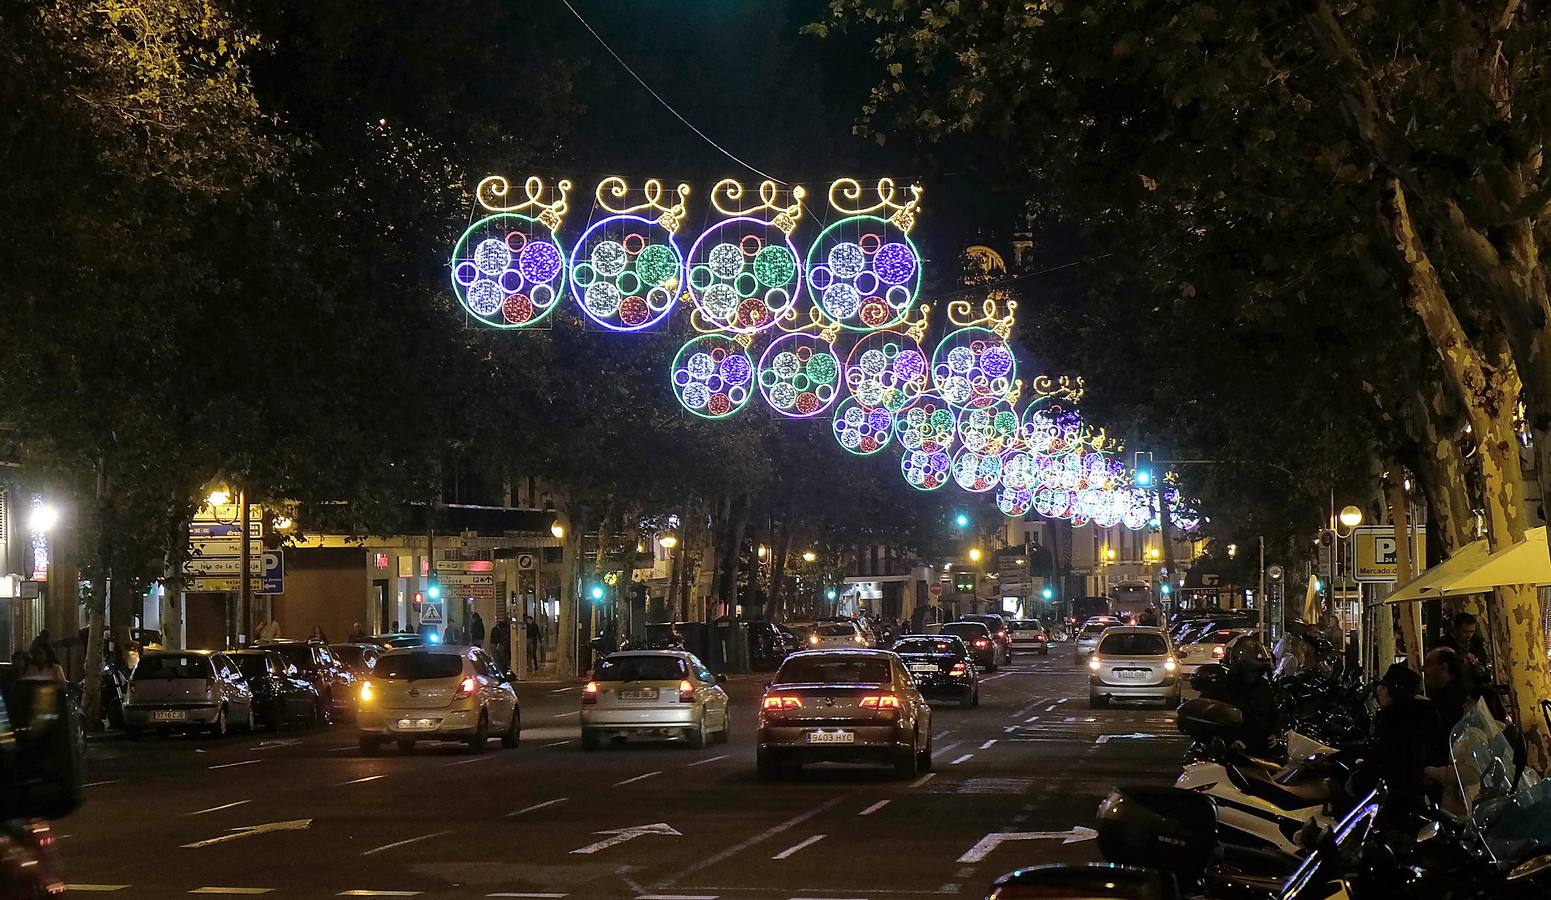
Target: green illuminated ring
{"points": [[462, 292]]}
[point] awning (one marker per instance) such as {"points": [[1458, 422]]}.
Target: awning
{"points": [[1428, 584], [1526, 562]]}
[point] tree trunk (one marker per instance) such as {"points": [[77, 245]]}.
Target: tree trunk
{"points": [[779, 549], [1410, 613], [732, 553], [565, 620]]}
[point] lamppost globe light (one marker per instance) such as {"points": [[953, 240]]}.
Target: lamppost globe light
{"points": [[283, 523], [668, 541], [809, 556], [557, 529], [763, 550], [974, 554], [219, 497], [1351, 517], [43, 519]]}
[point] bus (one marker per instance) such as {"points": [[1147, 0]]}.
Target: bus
{"points": [[1129, 598], [1085, 608]]}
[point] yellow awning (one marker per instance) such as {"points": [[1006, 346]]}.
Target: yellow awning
{"points": [[1526, 562], [1427, 585]]}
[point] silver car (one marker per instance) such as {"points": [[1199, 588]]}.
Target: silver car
{"points": [[1133, 662], [1088, 637], [661, 694], [193, 690], [437, 693]]}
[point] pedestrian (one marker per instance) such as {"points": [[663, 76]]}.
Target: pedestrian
{"points": [[393, 627], [1402, 748], [501, 643], [43, 647], [1464, 638], [270, 631], [532, 632], [1248, 687], [317, 635], [44, 666], [356, 634], [450, 635], [477, 631]]}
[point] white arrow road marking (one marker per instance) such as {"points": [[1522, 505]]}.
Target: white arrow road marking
{"points": [[991, 841], [1133, 736], [620, 835], [94, 888], [251, 830]]}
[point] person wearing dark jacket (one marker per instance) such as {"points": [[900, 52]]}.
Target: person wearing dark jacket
{"points": [[1443, 673], [1248, 687], [477, 631], [1404, 740]]}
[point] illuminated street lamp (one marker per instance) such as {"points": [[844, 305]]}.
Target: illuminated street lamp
{"points": [[1154, 553], [668, 541], [763, 551], [283, 523], [1233, 550], [43, 519], [975, 554], [1351, 517], [809, 556], [558, 530], [1109, 554], [219, 497]]}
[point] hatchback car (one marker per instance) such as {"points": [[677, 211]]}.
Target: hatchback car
{"points": [[1133, 662], [1210, 646], [941, 666], [437, 693], [977, 638], [661, 694], [1030, 635], [1088, 636], [843, 706], [188, 690], [315, 662], [825, 635], [280, 694], [997, 625]]}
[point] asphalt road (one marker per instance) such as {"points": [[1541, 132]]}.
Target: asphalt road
{"points": [[303, 814]]}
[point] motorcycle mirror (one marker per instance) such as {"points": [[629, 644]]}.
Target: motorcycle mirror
{"points": [[1428, 832], [1531, 867]]}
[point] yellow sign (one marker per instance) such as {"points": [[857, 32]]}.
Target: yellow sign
{"points": [[1374, 556]]}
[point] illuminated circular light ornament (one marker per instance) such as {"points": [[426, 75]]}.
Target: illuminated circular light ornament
{"points": [[508, 270], [928, 427], [973, 367], [991, 429], [1020, 470], [626, 271], [1050, 430], [1013, 502], [864, 273], [977, 472], [1135, 508], [862, 431], [926, 470], [799, 375], [886, 369], [712, 376], [744, 274]]}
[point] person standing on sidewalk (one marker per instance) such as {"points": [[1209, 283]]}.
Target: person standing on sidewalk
{"points": [[477, 631], [532, 630], [501, 643]]}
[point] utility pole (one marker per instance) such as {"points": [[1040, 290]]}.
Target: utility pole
{"points": [[245, 557], [1260, 598]]}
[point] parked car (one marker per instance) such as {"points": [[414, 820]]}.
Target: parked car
{"points": [[662, 694], [358, 658], [190, 690], [1030, 635], [1208, 647], [998, 627], [399, 639], [280, 694], [843, 706], [437, 693], [977, 637], [768, 645], [942, 667], [1133, 662], [314, 662]]}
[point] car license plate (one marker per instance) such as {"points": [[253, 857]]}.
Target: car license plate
{"points": [[639, 694], [168, 715], [1130, 674], [831, 737], [928, 668], [416, 724]]}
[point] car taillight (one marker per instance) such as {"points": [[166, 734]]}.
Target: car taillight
{"points": [[465, 687], [1219, 651], [1001, 634], [880, 701], [1093, 663], [959, 669], [982, 642], [686, 692], [366, 692], [776, 701], [590, 693]]}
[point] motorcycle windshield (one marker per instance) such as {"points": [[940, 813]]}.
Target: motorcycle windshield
{"points": [[1512, 817]]}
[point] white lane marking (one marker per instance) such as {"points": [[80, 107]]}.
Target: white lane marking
{"points": [[527, 809], [574, 712], [473, 759], [363, 892], [247, 831], [789, 851], [246, 762], [677, 897], [967, 756], [532, 895], [232, 890], [718, 858], [996, 676], [1063, 700], [1031, 719], [100, 783], [990, 842], [987, 744], [218, 808], [923, 779], [413, 840], [94, 888], [342, 749], [557, 691], [1050, 707], [873, 808], [637, 778], [704, 761], [361, 780], [558, 743], [941, 734], [945, 748]]}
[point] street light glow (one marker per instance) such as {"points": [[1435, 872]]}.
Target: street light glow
{"points": [[809, 556], [1351, 517], [219, 497], [763, 550], [975, 554], [668, 541], [1233, 550], [43, 519], [1154, 553], [283, 523], [557, 529]]}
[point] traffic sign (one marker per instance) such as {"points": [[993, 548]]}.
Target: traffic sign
{"points": [[221, 531], [431, 613], [224, 547], [525, 562], [935, 590], [1375, 554], [268, 569]]}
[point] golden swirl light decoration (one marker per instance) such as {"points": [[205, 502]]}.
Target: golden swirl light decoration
{"points": [[730, 191], [808, 319], [493, 190], [917, 329], [845, 195], [615, 188], [997, 313], [1064, 387], [1014, 392]]}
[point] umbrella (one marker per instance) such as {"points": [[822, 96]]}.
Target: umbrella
{"points": [[1526, 562], [1428, 584]]}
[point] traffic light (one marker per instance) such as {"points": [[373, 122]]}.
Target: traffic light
{"points": [[433, 591], [961, 519], [1141, 461], [964, 582], [831, 594], [596, 592], [1049, 593], [1166, 589]]}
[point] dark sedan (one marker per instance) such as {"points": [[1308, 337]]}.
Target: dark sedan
{"points": [[358, 658], [977, 638], [942, 667], [280, 694], [314, 662]]}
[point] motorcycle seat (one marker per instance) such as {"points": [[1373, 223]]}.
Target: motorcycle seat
{"points": [[1285, 796]]}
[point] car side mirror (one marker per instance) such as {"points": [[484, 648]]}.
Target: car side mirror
{"points": [[46, 769]]}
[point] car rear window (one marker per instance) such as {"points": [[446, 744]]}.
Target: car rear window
{"points": [[419, 665], [298, 655], [834, 670], [182, 665], [836, 630], [969, 630], [1026, 626], [1095, 628], [1133, 644], [1217, 637], [639, 668], [928, 645], [251, 665]]}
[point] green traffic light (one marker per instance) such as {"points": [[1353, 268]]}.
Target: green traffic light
{"points": [[597, 592], [433, 591], [1048, 593], [831, 594], [1143, 477], [1166, 590], [961, 520]]}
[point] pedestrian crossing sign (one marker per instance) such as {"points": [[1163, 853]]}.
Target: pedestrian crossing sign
{"points": [[431, 614]]}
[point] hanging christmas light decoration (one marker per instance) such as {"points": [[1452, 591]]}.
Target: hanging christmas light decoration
{"points": [[627, 269], [509, 269], [977, 472], [886, 369], [862, 431], [799, 375], [712, 376], [1013, 502], [744, 271], [973, 367], [991, 430], [863, 271]]}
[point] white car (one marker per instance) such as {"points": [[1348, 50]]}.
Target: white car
{"points": [[836, 636], [1209, 647], [436, 693], [1088, 637], [662, 694], [1029, 635]]}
